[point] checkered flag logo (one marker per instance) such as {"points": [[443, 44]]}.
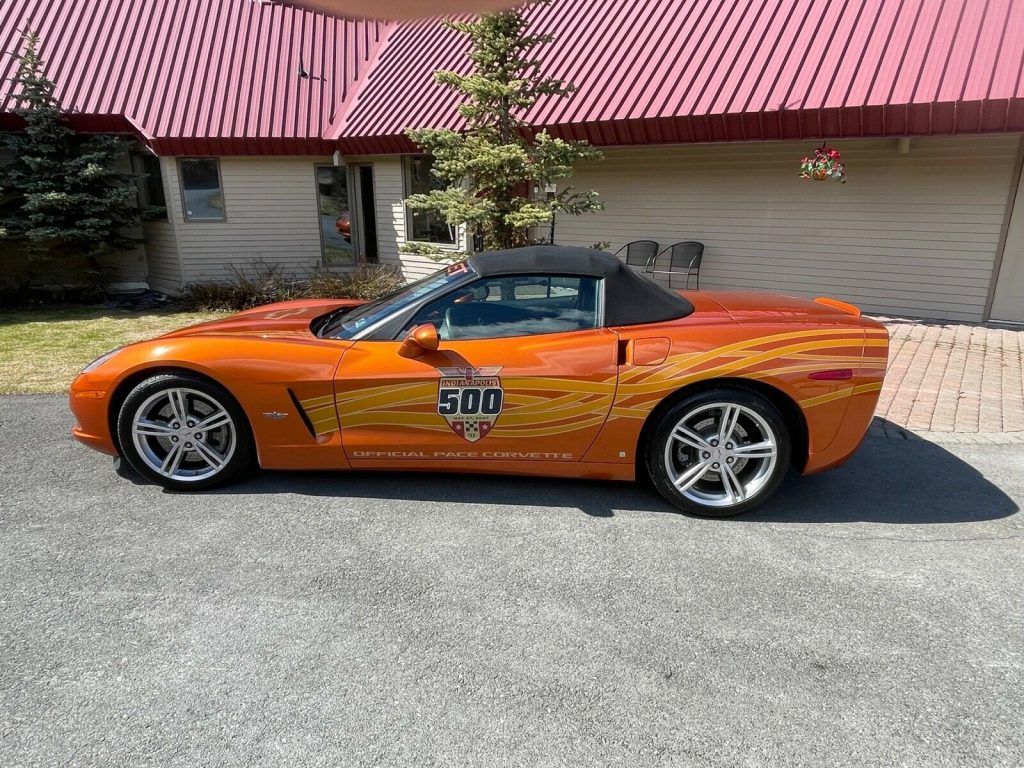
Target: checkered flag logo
{"points": [[470, 400]]}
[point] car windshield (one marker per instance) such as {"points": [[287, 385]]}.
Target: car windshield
{"points": [[347, 324]]}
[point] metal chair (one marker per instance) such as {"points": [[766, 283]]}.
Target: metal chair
{"points": [[640, 253], [683, 259]]}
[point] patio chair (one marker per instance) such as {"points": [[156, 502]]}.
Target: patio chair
{"points": [[683, 259], [640, 253]]}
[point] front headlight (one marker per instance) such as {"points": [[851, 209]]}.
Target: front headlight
{"points": [[100, 360]]}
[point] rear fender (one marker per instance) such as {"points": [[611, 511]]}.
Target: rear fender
{"points": [[778, 355]]}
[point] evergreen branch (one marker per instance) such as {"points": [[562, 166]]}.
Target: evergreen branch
{"points": [[486, 171]]}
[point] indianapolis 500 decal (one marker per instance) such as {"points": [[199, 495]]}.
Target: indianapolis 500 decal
{"points": [[470, 399]]}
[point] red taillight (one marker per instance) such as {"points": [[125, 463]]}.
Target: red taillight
{"points": [[840, 374]]}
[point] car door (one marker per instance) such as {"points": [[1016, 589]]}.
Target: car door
{"points": [[523, 373]]}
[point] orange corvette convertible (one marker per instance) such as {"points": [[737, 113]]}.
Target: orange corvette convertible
{"points": [[536, 361]]}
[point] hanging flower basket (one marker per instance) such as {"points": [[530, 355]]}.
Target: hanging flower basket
{"points": [[825, 164]]}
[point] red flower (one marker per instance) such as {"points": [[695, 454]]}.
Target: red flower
{"points": [[826, 163]]}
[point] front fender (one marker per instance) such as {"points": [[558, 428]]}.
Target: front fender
{"points": [[265, 375]]}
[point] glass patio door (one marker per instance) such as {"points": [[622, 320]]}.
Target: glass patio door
{"points": [[348, 215], [336, 216]]}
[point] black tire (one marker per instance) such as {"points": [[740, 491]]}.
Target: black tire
{"points": [[729, 481], [196, 469]]}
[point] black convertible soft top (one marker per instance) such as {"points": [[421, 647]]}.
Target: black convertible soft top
{"points": [[630, 298]]}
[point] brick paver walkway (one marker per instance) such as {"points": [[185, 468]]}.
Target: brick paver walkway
{"points": [[954, 380]]}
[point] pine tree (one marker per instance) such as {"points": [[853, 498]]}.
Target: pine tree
{"points": [[71, 198], [490, 169]]}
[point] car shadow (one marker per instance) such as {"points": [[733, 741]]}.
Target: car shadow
{"points": [[896, 480], [892, 480]]}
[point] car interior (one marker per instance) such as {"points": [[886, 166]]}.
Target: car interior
{"points": [[518, 305]]}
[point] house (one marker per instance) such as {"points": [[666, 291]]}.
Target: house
{"points": [[278, 134]]}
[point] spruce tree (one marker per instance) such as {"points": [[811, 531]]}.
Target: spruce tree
{"points": [[70, 198], [491, 170]]}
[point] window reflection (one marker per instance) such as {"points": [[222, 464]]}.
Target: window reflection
{"points": [[335, 215]]}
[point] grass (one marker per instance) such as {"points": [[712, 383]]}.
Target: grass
{"points": [[42, 350]]}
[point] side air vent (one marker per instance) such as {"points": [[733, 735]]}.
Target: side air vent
{"points": [[302, 414]]}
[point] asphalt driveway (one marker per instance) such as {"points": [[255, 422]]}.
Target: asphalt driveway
{"points": [[870, 616]]}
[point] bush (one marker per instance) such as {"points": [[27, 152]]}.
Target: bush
{"points": [[363, 283], [265, 283]]}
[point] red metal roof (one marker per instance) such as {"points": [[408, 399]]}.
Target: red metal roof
{"points": [[194, 76], [221, 76], [720, 70]]}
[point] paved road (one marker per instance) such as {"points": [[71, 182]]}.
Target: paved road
{"points": [[871, 616]]}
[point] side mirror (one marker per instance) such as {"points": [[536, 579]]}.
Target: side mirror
{"points": [[421, 339]]}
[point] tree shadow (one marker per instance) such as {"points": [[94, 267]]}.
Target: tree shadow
{"points": [[889, 480], [58, 312]]}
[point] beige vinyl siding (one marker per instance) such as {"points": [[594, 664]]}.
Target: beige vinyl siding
{"points": [[162, 257], [388, 193], [270, 206], [270, 215], [912, 234], [1008, 293]]}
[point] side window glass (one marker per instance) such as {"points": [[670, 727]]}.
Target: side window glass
{"points": [[201, 190], [516, 305]]}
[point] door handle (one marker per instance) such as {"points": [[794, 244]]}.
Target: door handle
{"points": [[623, 352]]}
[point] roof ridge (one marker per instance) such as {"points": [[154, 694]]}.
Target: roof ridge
{"points": [[336, 123]]}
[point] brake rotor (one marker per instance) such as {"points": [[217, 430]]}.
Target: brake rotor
{"points": [[708, 430]]}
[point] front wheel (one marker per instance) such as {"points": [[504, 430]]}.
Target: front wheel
{"points": [[184, 433], [719, 453]]}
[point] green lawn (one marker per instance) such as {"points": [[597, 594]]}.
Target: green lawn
{"points": [[41, 350]]}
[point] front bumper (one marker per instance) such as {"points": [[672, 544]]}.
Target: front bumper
{"points": [[90, 405]]}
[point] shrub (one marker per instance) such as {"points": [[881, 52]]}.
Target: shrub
{"points": [[368, 282], [265, 283], [262, 283]]}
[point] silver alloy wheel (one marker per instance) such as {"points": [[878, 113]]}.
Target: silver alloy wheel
{"points": [[721, 454], [184, 434]]}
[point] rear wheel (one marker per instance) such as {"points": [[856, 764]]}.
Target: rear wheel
{"points": [[719, 453], [184, 433]]}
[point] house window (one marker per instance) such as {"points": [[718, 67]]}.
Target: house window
{"points": [[424, 226], [201, 191], [150, 185], [335, 215]]}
